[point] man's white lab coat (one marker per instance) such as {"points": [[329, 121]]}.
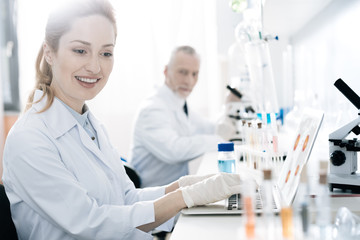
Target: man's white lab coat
{"points": [[62, 186], [165, 139]]}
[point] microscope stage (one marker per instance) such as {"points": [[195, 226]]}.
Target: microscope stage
{"points": [[344, 182]]}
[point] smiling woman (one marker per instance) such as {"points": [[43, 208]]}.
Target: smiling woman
{"points": [[83, 61], [74, 54]]}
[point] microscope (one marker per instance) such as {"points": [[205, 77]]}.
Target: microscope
{"points": [[343, 152], [239, 112]]}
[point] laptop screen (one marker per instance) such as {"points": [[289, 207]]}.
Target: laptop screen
{"points": [[298, 154]]}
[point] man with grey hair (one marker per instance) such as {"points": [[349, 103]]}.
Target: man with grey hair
{"points": [[167, 134]]}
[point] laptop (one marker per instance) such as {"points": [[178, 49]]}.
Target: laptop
{"points": [[287, 182]]}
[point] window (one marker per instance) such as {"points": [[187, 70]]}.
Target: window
{"points": [[9, 66]]}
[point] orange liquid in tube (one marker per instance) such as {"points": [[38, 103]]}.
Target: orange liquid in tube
{"points": [[287, 222], [250, 219]]}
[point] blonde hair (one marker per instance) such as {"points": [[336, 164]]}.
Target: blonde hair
{"points": [[59, 22]]}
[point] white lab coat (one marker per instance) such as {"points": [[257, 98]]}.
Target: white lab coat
{"points": [[62, 186], [165, 139]]}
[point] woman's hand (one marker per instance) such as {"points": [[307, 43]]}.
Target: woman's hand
{"points": [[184, 181], [212, 189], [192, 179]]}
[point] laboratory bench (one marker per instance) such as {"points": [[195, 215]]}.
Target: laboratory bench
{"points": [[219, 226]]}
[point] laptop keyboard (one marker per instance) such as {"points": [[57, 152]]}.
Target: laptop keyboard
{"points": [[235, 202]]}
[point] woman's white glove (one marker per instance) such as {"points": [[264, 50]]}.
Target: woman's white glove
{"points": [[192, 179], [212, 189]]}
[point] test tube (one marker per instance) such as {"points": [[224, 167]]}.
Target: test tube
{"points": [[248, 199], [250, 219], [323, 217], [267, 187], [250, 144], [287, 222], [259, 145], [243, 141]]}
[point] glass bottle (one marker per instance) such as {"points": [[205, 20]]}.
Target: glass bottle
{"points": [[226, 163], [226, 157]]}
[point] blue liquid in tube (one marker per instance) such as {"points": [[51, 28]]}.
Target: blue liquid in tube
{"points": [[227, 166]]}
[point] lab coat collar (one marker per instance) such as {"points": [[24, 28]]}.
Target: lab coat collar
{"points": [[176, 101], [59, 119], [81, 118]]}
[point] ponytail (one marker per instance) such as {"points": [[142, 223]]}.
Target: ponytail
{"points": [[43, 81]]}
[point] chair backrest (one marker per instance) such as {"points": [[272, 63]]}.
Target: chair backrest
{"points": [[134, 177], [7, 227]]}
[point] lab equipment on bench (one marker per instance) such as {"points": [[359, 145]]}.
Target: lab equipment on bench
{"points": [[247, 112], [234, 91], [237, 112], [226, 157], [287, 182], [249, 209], [346, 225], [261, 76], [343, 152], [286, 214], [323, 216], [260, 145], [226, 163]]}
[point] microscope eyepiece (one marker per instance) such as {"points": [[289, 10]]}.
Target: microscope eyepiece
{"points": [[348, 92]]}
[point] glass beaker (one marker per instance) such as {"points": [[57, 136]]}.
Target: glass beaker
{"points": [[346, 225], [261, 76]]}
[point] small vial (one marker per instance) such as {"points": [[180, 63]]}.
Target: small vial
{"points": [[258, 145], [226, 157], [243, 129], [268, 206], [267, 188], [304, 202], [248, 200], [323, 218], [250, 218], [304, 214], [287, 222], [274, 132]]}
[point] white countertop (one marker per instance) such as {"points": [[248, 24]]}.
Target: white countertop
{"points": [[232, 226]]}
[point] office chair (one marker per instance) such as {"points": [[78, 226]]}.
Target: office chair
{"points": [[134, 177], [7, 227], [132, 174]]}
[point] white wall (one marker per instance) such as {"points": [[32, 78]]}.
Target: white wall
{"points": [[325, 49]]}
